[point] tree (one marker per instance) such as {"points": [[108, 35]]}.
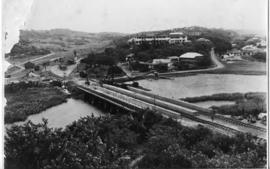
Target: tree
{"points": [[37, 68], [45, 64], [261, 57], [83, 74], [29, 65]]}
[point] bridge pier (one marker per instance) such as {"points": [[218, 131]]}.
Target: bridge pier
{"points": [[107, 106]]}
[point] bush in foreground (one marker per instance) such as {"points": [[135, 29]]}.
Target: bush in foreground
{"points": [[117, 141]]}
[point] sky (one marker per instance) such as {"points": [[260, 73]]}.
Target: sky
{"points": [[130, 16]]}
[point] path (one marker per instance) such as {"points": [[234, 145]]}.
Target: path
{"points": [[21, 65], [55, 69], [36, 59]]}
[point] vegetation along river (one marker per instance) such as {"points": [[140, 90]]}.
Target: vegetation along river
{"points": [[188, 86]]}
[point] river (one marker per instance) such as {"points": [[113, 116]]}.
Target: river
{"points": [[64, 114], [188, 86], [205, 84], [210, 103]]}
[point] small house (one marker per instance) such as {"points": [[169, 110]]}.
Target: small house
{"points": [[203, 40], [232, 55], [190, 59], [249, 50]]}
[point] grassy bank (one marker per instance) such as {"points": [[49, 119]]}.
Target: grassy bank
{"points": [[216, 97], [242, 67], [246, 104], [114, 142], [24, 100]]}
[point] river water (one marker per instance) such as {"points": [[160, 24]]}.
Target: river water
{"points": [[189, 86], [208, 104], [205, 84], [64, 114]]}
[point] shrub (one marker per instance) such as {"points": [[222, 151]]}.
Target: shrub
{"points": [[29, 65], [261, 57], [115, 141]]}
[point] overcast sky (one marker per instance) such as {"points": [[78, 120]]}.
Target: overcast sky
{"points": [[141, 15]]}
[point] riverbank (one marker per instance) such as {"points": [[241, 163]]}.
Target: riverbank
{"points": [[247, 105], [63, 114], [242, 67], [216, 97], [24, 101], [236, 68]]}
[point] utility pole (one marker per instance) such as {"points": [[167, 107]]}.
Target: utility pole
{"points": [[154, 103]]}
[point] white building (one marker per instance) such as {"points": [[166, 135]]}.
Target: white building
{"points": [[168, 61], [172, 38], [161, 61], [203, 40], [191, 59], [177, 38], [190, 55], [250, 50], [261, 44], [232, 55]]}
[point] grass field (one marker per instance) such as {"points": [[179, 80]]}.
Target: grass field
{"points": [[29, 101], [243, 67]]}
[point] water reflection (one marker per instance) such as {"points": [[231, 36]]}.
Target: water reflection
{"points": [[206, 84], [64, 114]]}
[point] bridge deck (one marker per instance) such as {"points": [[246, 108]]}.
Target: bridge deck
{"points": [[134, 101]]}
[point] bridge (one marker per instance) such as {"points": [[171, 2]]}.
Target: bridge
{"points": [[133, 99]]}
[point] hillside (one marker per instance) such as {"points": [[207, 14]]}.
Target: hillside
{"points": [[197, 31], [34, 43], [39, 42]]}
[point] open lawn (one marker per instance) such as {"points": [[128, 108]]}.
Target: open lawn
{"points": [[22, 103], [242, 67]]}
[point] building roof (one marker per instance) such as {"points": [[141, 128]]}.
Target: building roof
{"points": [[130, 55], [190, 55], [234, 51], [249, 48], [161, 61], [173, 57], [176, 33], [203, 40]]}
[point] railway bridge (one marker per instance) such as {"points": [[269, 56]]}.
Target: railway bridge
{"points": [[132, 99]]}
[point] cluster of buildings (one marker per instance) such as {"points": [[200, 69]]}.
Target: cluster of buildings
{"points": [[172, 38], [248, 50], [188, 60]]}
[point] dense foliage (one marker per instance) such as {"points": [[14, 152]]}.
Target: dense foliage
{"points": [[146, 52], [24, 99], [124, 141], [252, 105], [100, 58], [29, 65], [261, 57], [221, 43], [216, 97]]}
